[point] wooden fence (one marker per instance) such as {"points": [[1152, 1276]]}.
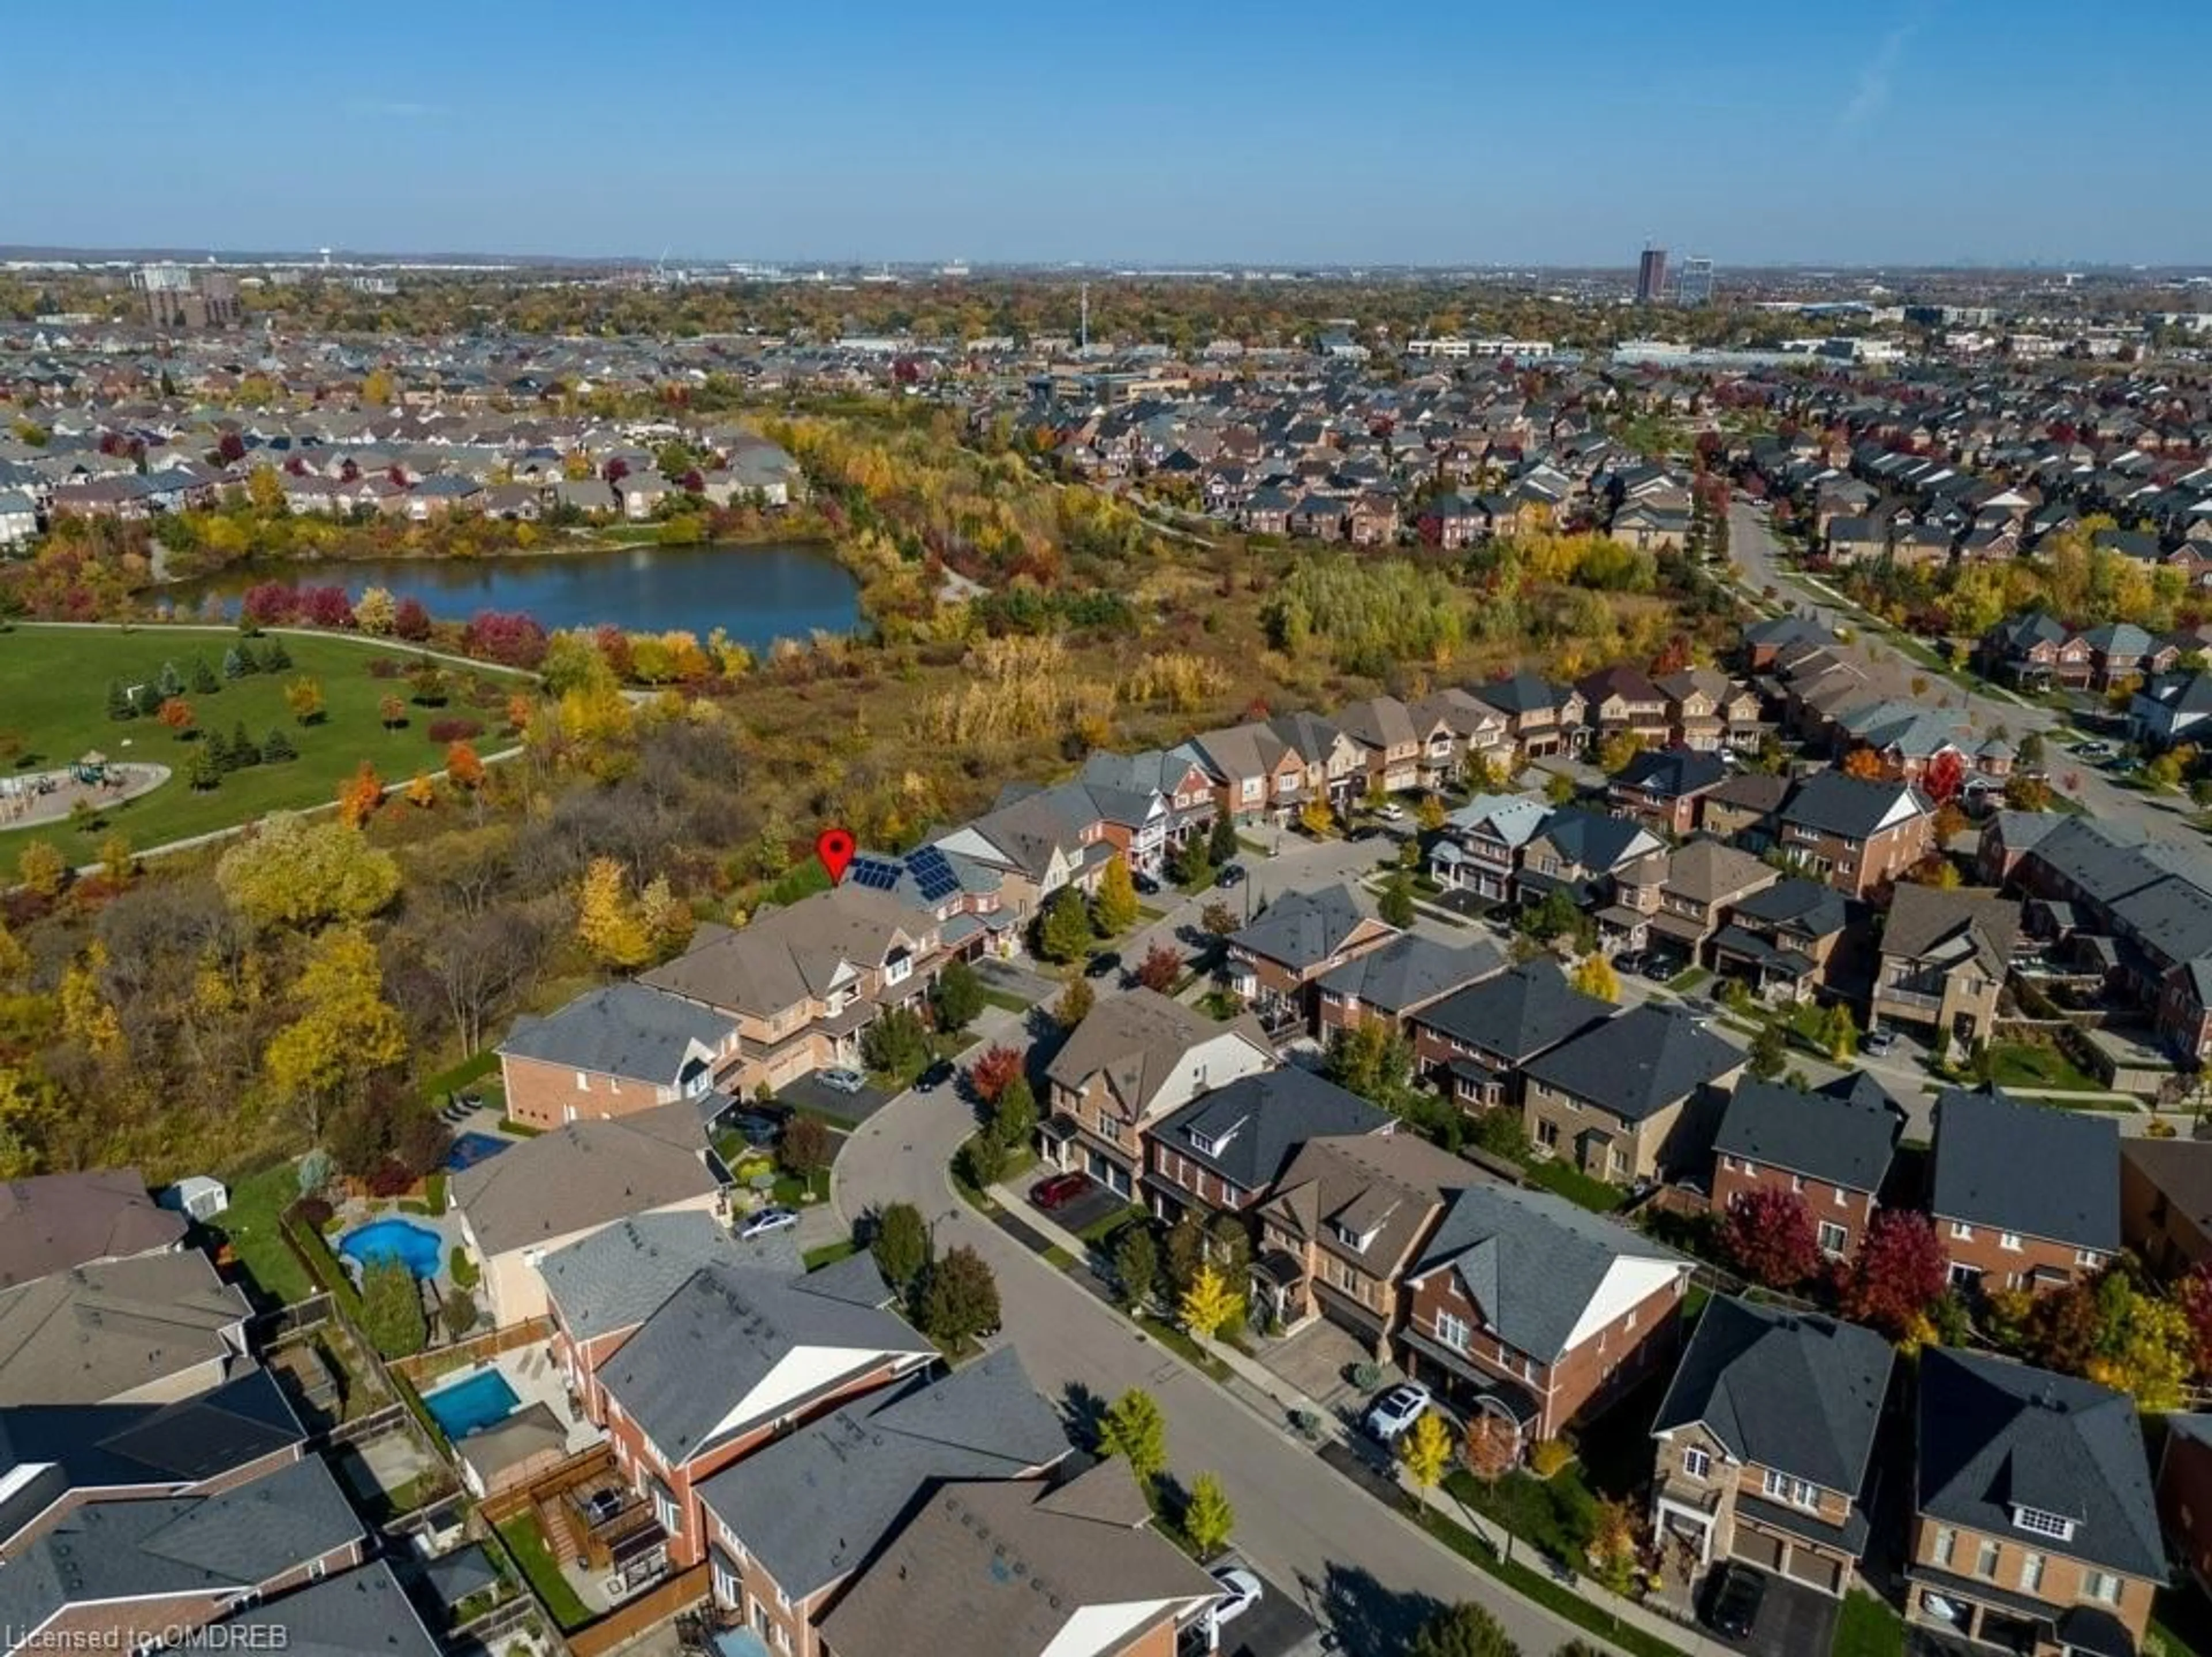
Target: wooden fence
{"points": [[511, 1504], [624, 1623], [428, 1365]]}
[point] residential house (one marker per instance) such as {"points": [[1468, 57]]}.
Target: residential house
{"points": [[1399, 979], [1481, 848], [1857, 540], [1350, 1213], [1830, 1147], [1277, 960], [2120, 651], [1856, 834], [1477, 1041], [2023, 1195], [1661, 789], [19, 518], [1580, 853], [148, 1329], [1457, 730], [1136, 1057], [797, 1522], [113, 1572], [364, 1612], [1780, 940], [1177, 778], [1540, 717], [611, 1051], [54, 1222], [539, 1196], [1021, 1568], [802, 982], [2034, 1529], [731, 1360], [1538, 1310], [2170, 708], [1686, 894], [1707, 710], [1633, 1098], [2166, 1203], [1393, 749], [1744, 807], [1766, 1446], [1223, 1153], [2034, 651], [1944, 957], [1620, 701], [2184, 1495]]}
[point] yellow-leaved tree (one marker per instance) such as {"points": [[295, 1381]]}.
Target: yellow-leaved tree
{"points": [[1426, 1450], [1211, 1303], [292, 871], [607, 922], [344, 1031]]}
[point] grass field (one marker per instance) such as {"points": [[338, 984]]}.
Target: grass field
{"points": [[53, 700]]}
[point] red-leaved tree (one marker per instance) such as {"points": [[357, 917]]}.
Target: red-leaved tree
{"points": [[1768, 1232], [1945, 776], [994, 1067], [1159, 969], [1899, 1274], [412, 621], [2195, 1294]]}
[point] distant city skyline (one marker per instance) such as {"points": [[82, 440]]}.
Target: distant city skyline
{"points": [[1179, 136]]}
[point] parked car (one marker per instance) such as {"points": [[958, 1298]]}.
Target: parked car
{"points": [[1391, 812], [762, 1221], [1395, 1411], [1103, 965], [934, 1077], [843, 1079], [1240, 1591], [756, 1130], [1231, 874], [1057, 1191], [1145, 884], [1631, 960], [1878, 1041], [1737, 1592], [1660, 968]]}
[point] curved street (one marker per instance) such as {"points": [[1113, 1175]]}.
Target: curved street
{"points": [[1369, 1575]]}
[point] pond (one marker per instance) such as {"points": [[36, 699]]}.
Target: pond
{"points": [[757, 594]]}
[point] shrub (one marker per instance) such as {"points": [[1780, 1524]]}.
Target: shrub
{"points": [[313, 1212], [390, 1177], [455, 730], [1548, 1456], [461, 1268]]}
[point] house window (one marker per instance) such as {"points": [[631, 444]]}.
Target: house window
{"points": [[1798, 1182], [1946, 1542], [664, 1509], [2102, 1586], [1834, 1239], [725, 1585], [2031, 1573], [1961, 1232], [1547, 1135], [2009, 1240], [1696, 1463], [583, 1082], [1794, 1491], [1452, 1331], [1985, 1560], [2088, 1258]]}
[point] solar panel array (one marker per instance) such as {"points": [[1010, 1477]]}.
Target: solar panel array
{"points": [[934, 873], [876, 873]]}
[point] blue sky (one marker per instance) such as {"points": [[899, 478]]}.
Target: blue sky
{"points": [[1431, 131]]}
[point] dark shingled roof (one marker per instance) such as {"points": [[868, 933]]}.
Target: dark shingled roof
{"points": [[1852, 807], [1637, 1063], [1516, 1014], [1410, 970], [1844, 1141], [1255, 1123], [2029, 1168], [1672, 772], [1303, 929], [1996, 1435], [1799, 1393]]}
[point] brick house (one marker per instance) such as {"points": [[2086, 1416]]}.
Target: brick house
{"points": [[1476, 1041], [611, 1051], [1622, 701], [1832, 1147], [1743, 808], [2034, 1526], [1853, 833], [1482, 843], [1780, 939], [1134, 1058], [1766, 1446], [1944, 958], [1707, 709], [1632, 1098], [1223, 1153], [1686, 894], [1528, 1306], [2023, 1195], [2184, 1495], [1402, 978], [1662, 788], [1391, 746], [1540, 717], [2166, 1203], [1277, 960]]}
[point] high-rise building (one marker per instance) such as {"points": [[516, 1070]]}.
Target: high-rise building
{"points": [[1651, 276], [1696, 282]]}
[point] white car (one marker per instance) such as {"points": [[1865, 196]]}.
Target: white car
{"points": [[766, 1220], [1390, 813], [1240, 1591], [1395, 1411], [843, 1080]]}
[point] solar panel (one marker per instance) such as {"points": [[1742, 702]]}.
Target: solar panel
{"points": [[875, 874], [933, 874]]}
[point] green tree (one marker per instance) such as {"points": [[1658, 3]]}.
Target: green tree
{"points": [[804, 1150], [391, 1309], [1770, 1053], [1133, 1428], [1014, 1114], [1064, 929], [120, 707], [1373, 1060], [1560, 790], [1193, 865], [959, 1298], [1837, 1034], [244, 752], [956, 997], [1136, 1265], [1114, 908], [1208, 1518], [982, 1160], [1221, 840], [275, 658], [203, 770], [1462, 1630], [1397, 902], [203, 681], [1185, 1252], [276, 748], [895, 1045], [901, 1246]]}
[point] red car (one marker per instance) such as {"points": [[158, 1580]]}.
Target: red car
{"points": [[1058, 1190]]}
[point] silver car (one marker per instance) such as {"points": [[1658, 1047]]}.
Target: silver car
{"points": [[843, 1080]]}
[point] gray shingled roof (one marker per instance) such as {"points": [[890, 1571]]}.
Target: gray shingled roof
{"points": [[621, 1029], [1532, 1261], [1256, 1124], [816, 1506], [1638, 1062], [1410, 970], [1798, 1392], [1518, 1012], [1994, 1435], [2029, 1168], [56, 1220], [1844, 1141], [1852, 807], [619, 1275], [1304, 929], [361, 1613], [585, 1173]]}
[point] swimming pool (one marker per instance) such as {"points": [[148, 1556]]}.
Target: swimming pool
{"points": [[485, 1400], [417, 1247], [470, 1149]]}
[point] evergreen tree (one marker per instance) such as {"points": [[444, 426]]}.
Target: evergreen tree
{"points": [[233, 663], [242, 751], [276, 659], [276, 748], [1221, 839], [217, 748], [119, 705], [203, 770], [168, 682], [205, 682]]}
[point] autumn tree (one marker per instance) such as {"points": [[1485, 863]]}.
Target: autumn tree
{"points": [[1159, 969], [1211, 1304], [805, 1148], [376, 611], [1594, 975], [1133, 1428], [1614, 1544], [991, 1069], [1425, 1450], [1768, 1234], [359, 796], [1491, 1447], [342, 1031], [294, 872], [1316, 818], [607, 922], [391, 712], [40, 868], [1114, 907], [1866, 764], [1074, 1003], [304, 697], [1218, 919], [1943, 777], [1208, 1520], [1897, 1278], [176, 714]]}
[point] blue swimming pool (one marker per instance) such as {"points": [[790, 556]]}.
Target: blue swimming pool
{"points": [[470, 1148], [485, 1400], [417, 1247]]}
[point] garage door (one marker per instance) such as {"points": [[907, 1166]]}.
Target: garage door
{"points": [[1823, 1573], [1759, 1548]]}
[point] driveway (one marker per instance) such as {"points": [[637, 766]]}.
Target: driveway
{"points": [[1318, 1362], [1274, 1627], [1079, 1214], [1370, 1575], [1021, 982], [1794, 1621], [812, 1094]]}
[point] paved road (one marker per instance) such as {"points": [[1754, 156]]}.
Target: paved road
{"points": [[1761, 563], [1369, 1575]]}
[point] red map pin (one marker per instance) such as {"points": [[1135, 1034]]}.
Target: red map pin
{"points": [[834, 846]]}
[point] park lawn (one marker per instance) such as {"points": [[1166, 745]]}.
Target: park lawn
{"points": [[53, 696]]}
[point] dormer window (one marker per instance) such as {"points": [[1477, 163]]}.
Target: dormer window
{"points": [[1357, 1241], [1212, 1143], [2036, 1522]]}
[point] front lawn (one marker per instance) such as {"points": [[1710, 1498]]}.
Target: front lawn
{"points": [[1868, 1627], [1687, 980], [53, 686], [1564, 1180], [249, 1226], [829, 1253], [2033, 1064]]}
